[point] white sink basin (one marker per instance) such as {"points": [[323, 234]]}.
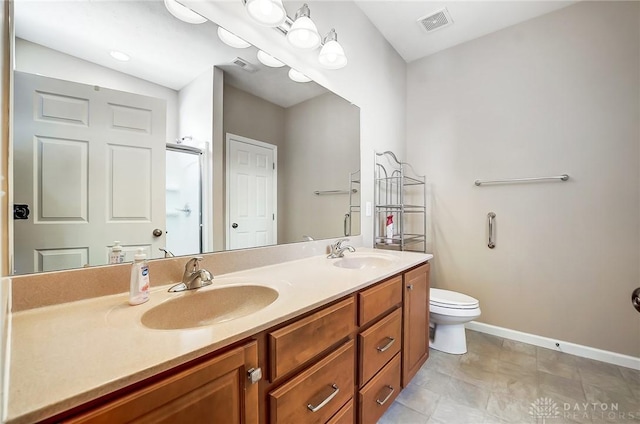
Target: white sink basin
{"points": [[368, 261]]}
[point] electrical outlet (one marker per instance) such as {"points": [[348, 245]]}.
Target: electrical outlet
{"points": [[368, 209]]}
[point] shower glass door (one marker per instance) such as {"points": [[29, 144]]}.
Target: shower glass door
{"points": [[184, 200]]}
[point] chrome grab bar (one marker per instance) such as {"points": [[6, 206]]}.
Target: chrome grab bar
{"points": [[563, 177], [347, 227], [387, 346], [491, 243], [383, 401], [324, 402]]}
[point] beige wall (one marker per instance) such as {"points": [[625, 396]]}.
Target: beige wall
{"points": [[321, 135], [557, 94], [252, 117]]}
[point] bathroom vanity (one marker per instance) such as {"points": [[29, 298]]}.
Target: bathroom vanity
{"points": [[336, 346]]}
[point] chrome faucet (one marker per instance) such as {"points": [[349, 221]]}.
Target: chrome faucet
{"points": [[194, 277], [336, 250]]}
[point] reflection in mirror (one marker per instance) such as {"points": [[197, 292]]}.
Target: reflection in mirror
{"points": [[108, 150]]}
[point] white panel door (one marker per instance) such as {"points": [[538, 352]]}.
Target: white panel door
{"points": [[90, 164], [251, 193]]}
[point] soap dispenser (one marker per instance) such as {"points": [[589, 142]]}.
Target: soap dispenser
{"points": [[116, 256], [139, 284]]}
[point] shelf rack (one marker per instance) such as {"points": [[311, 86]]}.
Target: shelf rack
{"points": [[395, 183]]}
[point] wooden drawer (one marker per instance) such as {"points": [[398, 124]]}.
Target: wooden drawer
{"points": [[295, 344], [331, 378], [345, 415], [379, 299], [378, 344], [380, 392]]}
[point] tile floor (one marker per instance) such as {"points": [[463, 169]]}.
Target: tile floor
{"points": [[502, 381]]}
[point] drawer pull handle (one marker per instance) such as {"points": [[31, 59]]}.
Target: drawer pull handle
{"points": [[383, 401], [387, 346], [327, 400]]}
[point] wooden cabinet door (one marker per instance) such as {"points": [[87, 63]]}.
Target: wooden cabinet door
{"points": [[416, 322], [215, 391]]}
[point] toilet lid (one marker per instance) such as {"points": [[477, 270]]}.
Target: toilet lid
{"points": [[451, 299]]}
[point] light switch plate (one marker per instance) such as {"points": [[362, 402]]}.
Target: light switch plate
{"points": [[368, 209]]}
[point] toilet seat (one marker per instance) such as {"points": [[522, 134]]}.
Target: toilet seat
{"points": [[452, 300]]}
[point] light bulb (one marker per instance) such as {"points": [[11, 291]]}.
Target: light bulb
{"points": [[265, 6], [332, 54], [231, 39], [267, 12], [183, 13], [303, 32], [298, 76], [268, 60]]}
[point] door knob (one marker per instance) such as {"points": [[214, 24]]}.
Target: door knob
{"points": [[157, 232], [234, 225]]}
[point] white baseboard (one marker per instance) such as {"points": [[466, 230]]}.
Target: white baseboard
{"points": [[561, 346]]}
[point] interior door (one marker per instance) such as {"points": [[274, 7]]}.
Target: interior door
{"points": [[251, 193], [90, 164]]}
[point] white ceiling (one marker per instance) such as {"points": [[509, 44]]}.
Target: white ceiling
{"points": [[163, 49], [169, 52], [397, 21]]}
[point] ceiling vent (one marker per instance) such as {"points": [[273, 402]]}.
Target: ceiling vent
{"points": [[436, 20], [249, 67]]}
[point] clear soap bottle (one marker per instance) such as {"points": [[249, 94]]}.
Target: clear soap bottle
{"points": [[139, 284]]}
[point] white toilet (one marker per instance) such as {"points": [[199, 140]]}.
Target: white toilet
{"points": [[448, 312]]}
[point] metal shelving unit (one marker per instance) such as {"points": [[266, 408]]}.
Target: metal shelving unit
{"points": [[399, 192]]}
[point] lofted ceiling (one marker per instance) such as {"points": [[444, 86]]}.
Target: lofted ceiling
{"points": [[397, 21]]}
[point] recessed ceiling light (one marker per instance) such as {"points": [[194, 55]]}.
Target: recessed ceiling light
{"points": [[122, 57], [183, 13], [298, 76], [268, 60]]}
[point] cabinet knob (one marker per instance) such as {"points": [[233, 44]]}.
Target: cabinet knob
{"points": [[410, 286], [254, 375]]}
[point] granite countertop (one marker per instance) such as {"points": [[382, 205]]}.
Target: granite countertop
{"points": [[64, 355]]}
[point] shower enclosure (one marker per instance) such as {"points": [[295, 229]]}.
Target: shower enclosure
{"points": [[184, 199]]}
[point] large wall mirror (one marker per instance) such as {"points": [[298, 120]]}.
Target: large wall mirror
{"points": [[190, 145]]}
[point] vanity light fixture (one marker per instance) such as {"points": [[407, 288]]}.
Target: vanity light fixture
{"points": [[332, 54], [268, 60], [118, 55], [303, 33], [231, 39], [266, 12], [183, 13], [298, 76]]}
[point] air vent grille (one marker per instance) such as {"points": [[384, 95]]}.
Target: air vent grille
{"points": [[436, 20], [249, 67]]}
